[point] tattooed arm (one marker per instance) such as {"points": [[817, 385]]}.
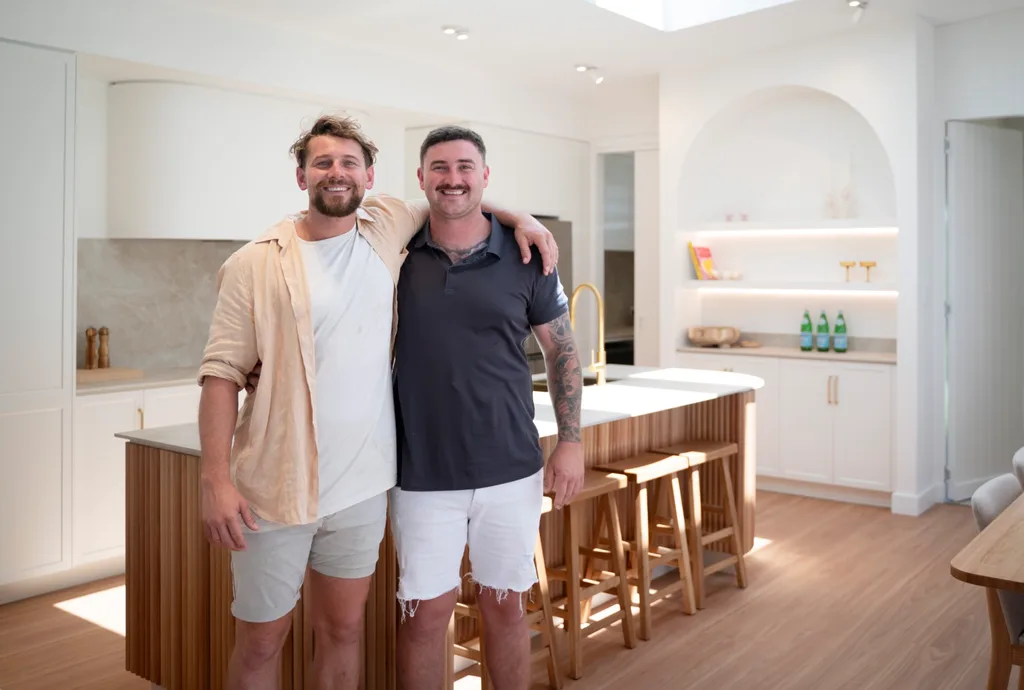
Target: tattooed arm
{"points": [[564, 471]]}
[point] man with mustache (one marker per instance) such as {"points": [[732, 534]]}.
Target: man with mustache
{"points": [[471, 469], [314, 448]]}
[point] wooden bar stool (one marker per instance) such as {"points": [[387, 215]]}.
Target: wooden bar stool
{"points": [[602, 487], [656, 469], [698, 454], [538, 617]]}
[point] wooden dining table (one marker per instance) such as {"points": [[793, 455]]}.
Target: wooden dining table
{"points": [[994, 559]]}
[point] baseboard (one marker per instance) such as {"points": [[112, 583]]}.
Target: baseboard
{"points": [[917, 504], [828, 492], [55, 582]]}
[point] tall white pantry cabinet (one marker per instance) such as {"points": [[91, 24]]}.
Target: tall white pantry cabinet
{"points": [[37, 351]]}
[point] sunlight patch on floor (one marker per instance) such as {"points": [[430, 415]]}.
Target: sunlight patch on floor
{"points": [[105, 608], [468, 683], [759, 543]]}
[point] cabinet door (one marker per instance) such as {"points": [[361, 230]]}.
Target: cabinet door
{"points": [[863, 427], [172, 406], [98, 477], [36, 281], [805, 420], [700, 360]]}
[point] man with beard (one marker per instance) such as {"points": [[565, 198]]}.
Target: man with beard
{"points": [[471, 469], [314, 450]]}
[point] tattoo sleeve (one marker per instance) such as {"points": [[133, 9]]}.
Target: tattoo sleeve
{"points": [[565, 375]]}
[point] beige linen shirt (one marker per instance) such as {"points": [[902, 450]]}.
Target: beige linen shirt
{"points": [[263, 314]]}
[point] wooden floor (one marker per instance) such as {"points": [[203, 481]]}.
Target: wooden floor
{"points": [[842, 597]]}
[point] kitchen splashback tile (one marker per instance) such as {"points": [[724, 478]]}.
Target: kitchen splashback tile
{"points": [[155, 296]]}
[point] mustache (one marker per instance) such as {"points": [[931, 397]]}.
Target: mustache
{"points": [[336, 183], [454, 188]]}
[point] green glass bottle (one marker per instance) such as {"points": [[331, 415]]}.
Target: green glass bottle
{"points": [[806, 333], [839, 342], [823, 335]]}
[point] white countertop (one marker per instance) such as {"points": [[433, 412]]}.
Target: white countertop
{"points": [[634, 391], [861, 356], [155, 378]]}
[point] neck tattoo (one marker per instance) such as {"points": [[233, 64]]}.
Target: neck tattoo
{"points": [[457, 255]]}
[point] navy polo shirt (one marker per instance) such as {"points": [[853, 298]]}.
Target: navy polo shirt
{"points": [[463, 388]]}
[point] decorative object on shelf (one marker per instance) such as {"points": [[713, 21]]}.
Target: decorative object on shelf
{"points": [[104, 354], [749, 344], [91, 356], [839, 339], [713, 336], [743, 217], [847, 265], [868, 265], [728, 217], [824, 340], [703, 264], [806, 332]]}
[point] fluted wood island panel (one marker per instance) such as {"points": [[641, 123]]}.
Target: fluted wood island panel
{"points": [[179, 625]]}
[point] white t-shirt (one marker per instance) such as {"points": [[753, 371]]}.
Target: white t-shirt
{"points": [[351, 293]]}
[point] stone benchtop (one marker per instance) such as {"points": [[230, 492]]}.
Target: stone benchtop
{"points": [[630, 392]]}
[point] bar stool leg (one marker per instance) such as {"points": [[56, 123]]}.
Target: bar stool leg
{"points": [[643, 560], [572, 564], [696, 534], [685, 568], [730, 499], [548, 633], [619, 559]]}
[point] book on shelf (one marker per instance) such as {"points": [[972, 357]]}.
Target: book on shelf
{"points": [[703, 263]]}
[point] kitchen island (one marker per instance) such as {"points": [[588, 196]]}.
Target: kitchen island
{"points": [[179, 626]]}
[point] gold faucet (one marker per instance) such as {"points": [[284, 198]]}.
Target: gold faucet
{"points": [[598, 365]]}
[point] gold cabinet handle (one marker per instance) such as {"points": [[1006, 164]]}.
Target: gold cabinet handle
{"points": [[828, 389], [142, 419], [836, 388]]}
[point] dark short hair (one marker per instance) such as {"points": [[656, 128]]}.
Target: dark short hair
{"points": [[334, 126], [453, 133]]}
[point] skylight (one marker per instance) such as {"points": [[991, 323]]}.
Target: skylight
{"points": [[672, 15]]}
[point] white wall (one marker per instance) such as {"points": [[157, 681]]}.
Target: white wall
{"points": [[192, 39], [618, 201], [200, 143], [876, 72]]}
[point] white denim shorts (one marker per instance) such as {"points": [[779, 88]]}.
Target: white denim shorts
{"points": [[268, 576], [431, 530]]}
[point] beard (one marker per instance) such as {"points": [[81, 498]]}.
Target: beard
{"points": [[337, 206]]}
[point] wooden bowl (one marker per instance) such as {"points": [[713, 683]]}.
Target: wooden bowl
{"points": [[708, 336]]}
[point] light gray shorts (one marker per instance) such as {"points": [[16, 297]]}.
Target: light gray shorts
{"points": [[268, 576]]}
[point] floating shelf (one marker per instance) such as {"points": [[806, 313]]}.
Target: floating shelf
{"points": [[846, 227], [768, 288]]}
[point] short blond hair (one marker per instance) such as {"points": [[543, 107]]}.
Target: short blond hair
{"points": [[334, 126]]}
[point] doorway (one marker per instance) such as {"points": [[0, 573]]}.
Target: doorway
{"points": [[618, 201], [984, 367]]}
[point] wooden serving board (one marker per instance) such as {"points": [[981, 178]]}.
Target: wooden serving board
{"points": [[106, 375]]}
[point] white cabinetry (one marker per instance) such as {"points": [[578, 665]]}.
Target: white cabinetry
{"points": [[98, 494], [166, 127], [37, 350], [836, 423], [825, 422], [766, 429]]}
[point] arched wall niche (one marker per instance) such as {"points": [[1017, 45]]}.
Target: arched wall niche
{"points": [[786, 155]]}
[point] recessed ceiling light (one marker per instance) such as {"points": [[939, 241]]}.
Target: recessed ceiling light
{"points": [[462, 35], [855, 3], [449, 30], [581, 68]]}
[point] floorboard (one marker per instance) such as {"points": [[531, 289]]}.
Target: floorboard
{"points": [[841, 597]]}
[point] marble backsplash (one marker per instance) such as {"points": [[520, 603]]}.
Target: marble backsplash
{"points": [[155, 296]]}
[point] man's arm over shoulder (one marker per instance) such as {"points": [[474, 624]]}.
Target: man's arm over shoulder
{"points": [[230, 351], [401, 218]]}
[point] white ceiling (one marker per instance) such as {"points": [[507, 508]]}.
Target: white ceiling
{"points": [[538, 42]]}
